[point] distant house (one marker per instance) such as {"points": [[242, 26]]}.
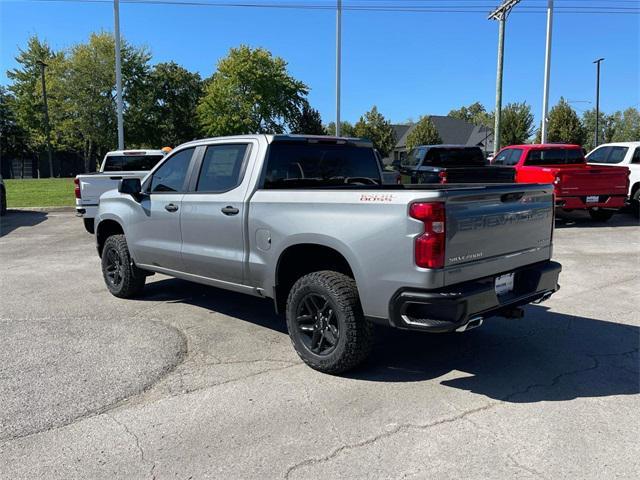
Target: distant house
{"points": [[452, 131]]}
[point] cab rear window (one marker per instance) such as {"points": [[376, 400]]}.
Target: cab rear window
{"points": [[555, 156], [124, 163]]}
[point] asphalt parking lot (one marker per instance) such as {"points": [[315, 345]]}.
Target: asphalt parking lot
{"points": [[194, 382]]}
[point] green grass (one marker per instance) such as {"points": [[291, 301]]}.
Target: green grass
{"points": [[44, 192]]}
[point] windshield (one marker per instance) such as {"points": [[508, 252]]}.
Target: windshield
{"points": [[293, 164], [120, 163], [555, 156], [414, 157]]}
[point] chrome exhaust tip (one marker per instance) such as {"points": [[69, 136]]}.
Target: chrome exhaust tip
{"points": [[470, 325]]}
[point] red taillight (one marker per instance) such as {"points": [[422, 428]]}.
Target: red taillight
{"points": [[429, 247], [76, 190], [442, 175]]}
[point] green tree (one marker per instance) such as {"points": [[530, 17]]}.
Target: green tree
{"points": [[517, 123], [91, 98], [346, 129], [26, 90], [424, 133], [474, 113], [373, 126], [564, 125], [606, 127], [626, 126], [308, 121], [165, 113], [251, 92], [13, 139]]}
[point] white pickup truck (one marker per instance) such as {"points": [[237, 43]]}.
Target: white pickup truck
{"points": [[115, 166], [621, 154]]}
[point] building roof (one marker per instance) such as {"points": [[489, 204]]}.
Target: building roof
{"points": [[451, 130]]}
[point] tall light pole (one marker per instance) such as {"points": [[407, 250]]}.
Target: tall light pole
{"points": [[45, 106], [500, 14], [116, 20], [547, 71], [338, 63], [597, 62]]}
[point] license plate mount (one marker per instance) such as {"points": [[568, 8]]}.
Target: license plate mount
{"points": [[504, 284]]}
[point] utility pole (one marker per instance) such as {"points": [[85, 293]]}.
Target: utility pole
{"points": [[45, 106], [116, 19], [500, 14], [338, 63], [547, 71], [597, 62]]}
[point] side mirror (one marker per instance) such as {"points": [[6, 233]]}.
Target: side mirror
{"points": [[130, 186]]}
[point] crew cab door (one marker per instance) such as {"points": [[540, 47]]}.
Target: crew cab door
{"points": [[154, 229], [214, 212]]}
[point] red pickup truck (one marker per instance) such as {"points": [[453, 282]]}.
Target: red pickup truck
{"points": [[578, 186]]}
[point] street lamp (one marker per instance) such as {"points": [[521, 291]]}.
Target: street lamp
{"points": [[597, 62], [45, 106]]}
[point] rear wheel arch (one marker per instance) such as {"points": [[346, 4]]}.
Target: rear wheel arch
{"points": [[299, 260]]}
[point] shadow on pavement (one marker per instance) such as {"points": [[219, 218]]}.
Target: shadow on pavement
{"points": [[20, 218], [547, 356], [583, 220], [258, 311]]}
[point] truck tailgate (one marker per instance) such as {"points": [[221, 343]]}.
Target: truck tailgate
{"points": [[92, 186], [498, 228], [592, 180]]}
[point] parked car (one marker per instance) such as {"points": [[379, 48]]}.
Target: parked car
{"points": [[306, 222], [115, 166], [578, 186], [3, 197], [625, 154], [451, 164]]}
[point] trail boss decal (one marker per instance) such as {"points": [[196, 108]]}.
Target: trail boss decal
{"points": [[377, 197]]}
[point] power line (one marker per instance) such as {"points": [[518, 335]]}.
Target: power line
{"points": [[378, 7]]}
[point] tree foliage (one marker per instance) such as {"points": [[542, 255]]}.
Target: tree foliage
{"points": [[424, 133], [13, 138], [516, 124], [251, 92], [308, 121], [166, 113], [474, 113], [375, 127], [564, 125], [346, 129]]}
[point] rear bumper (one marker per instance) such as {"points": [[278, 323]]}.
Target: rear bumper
{"points": [[446, 309], [86, 211], [580, 202]]}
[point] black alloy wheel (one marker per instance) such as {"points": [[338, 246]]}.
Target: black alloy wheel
{"points": [[318, 324]]}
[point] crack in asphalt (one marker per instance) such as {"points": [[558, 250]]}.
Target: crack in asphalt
{"points": [[399, 428], [137, 443], [410, 426]]}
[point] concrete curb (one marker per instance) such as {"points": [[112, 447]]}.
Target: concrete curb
{"points": [[43, 209]]}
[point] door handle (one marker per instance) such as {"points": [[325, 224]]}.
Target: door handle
{"points": [[229, 210], [171, 207]]}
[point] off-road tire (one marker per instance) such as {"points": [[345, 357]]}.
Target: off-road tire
{"points": [[130, 278], [3, 201], [601, 215], [635, 203], [89, 225], [356, 334]]}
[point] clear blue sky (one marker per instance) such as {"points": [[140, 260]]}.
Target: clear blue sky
{"points": [[406, 63]]}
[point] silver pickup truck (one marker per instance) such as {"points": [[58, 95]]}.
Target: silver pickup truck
{"points": [[306, 222]]}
